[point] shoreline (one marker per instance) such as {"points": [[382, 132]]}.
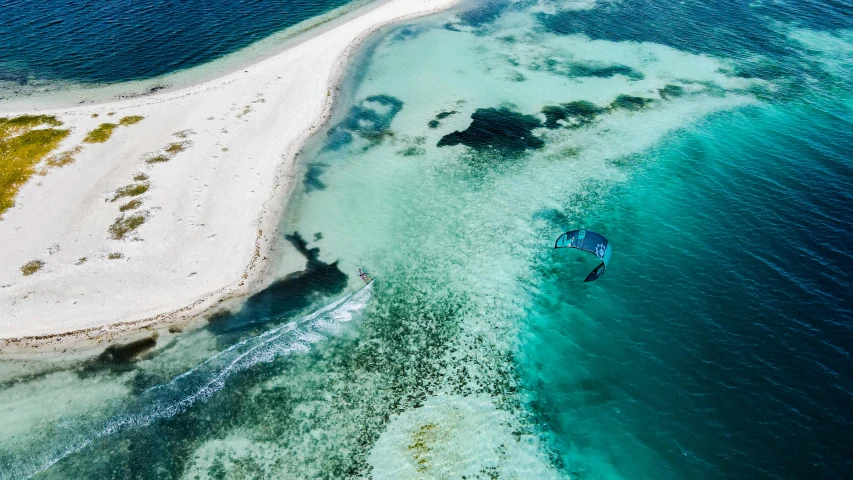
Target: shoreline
{"points": [[83, 94], [255, 273]]}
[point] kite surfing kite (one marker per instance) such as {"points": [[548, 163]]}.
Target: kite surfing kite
{"points": [[591, 242]]}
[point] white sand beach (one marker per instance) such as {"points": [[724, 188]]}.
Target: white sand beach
{"points": [[211, 208]]}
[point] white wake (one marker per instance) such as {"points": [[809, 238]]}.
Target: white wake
{"points": [[204, 380]]}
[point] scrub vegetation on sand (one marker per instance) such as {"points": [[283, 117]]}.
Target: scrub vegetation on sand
{"points": [[104, 131], [176, 147], [100, 134], [61, 159], [125, 225], [131, 205], [31, 267], [130, 120], [169, 151], [132, 190], [24, 142]]}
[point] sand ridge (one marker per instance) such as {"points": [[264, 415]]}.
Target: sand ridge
{"points": [[211, 211]]}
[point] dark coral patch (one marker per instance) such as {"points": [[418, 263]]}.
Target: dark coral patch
{"points": [[366, 121], [497, 129], [441, 116], [483, 14], [408, 33], [412, 152], [671, 91], [312, 179], [603, 71], [574, 114], [586, 69], [629, 102]]}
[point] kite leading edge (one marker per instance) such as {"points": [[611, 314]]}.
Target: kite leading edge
{"points": [[588, 241]]}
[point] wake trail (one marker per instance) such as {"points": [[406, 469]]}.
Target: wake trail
{"points": [[199, 383]]}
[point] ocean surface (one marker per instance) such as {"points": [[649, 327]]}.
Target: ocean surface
{"points": [[117, 41], [710, 142]]}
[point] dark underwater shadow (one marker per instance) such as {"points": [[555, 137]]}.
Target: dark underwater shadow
{"points": [[286, 296]]}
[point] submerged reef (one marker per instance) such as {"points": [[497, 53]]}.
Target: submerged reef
{"points": [[312, 177], [574, 114], [582, 113], [371, 120], [497, 129], [671, 91], [628, 102], [603, 71], [483, 14], [511, 133], [435, 123], [587, 69]]}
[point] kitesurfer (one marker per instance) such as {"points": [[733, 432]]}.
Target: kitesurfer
{"points": [[364, 276]]}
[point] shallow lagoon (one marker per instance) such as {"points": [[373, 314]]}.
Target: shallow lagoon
{"points": [[463, 146]]}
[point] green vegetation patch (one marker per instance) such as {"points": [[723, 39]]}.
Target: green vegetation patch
{"points": [[131, 205], [115, 256], [132, 190], [125, 225], [22, 147], [140, 177], [186, 133], [81, 261], [16, 125], [105, 130], [31, 267], [62, 159], [130, 120], [158, 159], [101, 134], [177, 147]]}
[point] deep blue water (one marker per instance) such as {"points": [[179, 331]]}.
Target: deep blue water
{"points": [[719, 341], [105, 42], [718, 344]]}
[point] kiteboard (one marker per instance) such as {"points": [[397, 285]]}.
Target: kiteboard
{"points": [[365, 277]]}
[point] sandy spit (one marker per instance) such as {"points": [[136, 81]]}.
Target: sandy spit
{"points": [[211, 210]]}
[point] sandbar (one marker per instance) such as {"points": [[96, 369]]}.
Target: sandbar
{"points": [[218, 160]]}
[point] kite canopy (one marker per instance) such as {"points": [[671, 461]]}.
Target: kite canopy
{"points": [[591, 242]]}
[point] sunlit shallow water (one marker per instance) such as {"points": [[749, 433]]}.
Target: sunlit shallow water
{"points": [[716, 346]]}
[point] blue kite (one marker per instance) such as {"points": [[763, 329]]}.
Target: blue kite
{"points": [[591, 242]]}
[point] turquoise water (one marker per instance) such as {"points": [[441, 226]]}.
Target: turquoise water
{"points": [[714, 153]]}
